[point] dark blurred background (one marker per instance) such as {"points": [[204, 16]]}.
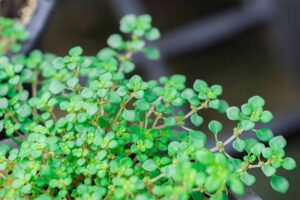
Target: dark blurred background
{"points": [[249, 47]]}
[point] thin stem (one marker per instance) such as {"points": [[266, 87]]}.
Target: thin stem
{"points": [[101, 109], [229, 140], [2, 176], [108, 195], [250, 167], [198, 189], [149, 114], [146, 121], [123, 107], [214, 149], [128, 55], [119, 113], [253, 166], [186, 128], [53, 116], [34, 87], [16, 140], [203, 105], [34, 90], [152, 108], [155, 121], [15, 119], [19, 133], [226, 154], [128, 100], [38, 189], [160, 127], [156, 178], [101, 104], [69, 197]]}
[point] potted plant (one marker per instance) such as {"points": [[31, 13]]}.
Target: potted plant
{"points": [[114, 137], [21, 19]]}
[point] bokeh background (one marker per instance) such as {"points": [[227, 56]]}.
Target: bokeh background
{"points": [[249, 47]]}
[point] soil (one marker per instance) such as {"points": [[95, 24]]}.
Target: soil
{"points": [[18, 9]]}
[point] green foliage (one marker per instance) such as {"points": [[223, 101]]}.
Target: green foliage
{"points": [[12, 34], [280, 184], [85, 131], [215, 126]]}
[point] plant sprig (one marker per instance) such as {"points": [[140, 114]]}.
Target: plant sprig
{"points": [[12, 34], [88, 132]]}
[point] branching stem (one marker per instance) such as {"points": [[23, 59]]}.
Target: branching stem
{"points": [[203, 105], [156, 178], [229, 140]]}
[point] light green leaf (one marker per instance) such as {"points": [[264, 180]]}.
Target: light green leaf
{"points": [[58, 63], [205, 156], [277, 142], [217, 89], [173, 148], [115, 41], [248, 179], [266, 116], [289, 163], [233, 113], [24, 110], [257, 149], [26, 189], [72, 82], [239, 145], [127, 66], [91, 109], [247, 109], [14, 80], [200, 85], [142, 104], [149, 165], [256, 101], [197, 139], [129, 115], [215, 126], [170, 121], [214, 104], [279, 184], [264, 134], [114, 98], [237, 186], [196, 119], [248, 125], [152, 53], [76, 51], [87, 93], [3, 103], [268, 170], [3, 90], [56, 87], [152, 34]]}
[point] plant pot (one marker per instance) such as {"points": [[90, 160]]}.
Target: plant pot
{"points": [[37, 23], [34, 14]]}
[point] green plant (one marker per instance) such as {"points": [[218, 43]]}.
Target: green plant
{"points": [[87, 132], [12, 33]]}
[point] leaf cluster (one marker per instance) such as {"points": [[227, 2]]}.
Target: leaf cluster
{"points": [[85, 131], [12, 34]]}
